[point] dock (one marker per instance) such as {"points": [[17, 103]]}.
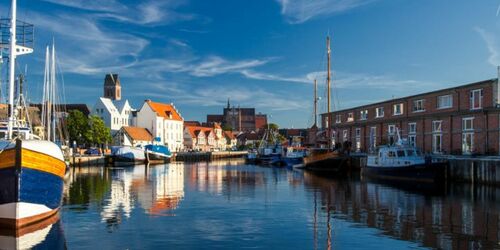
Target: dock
{"points": [[208, 156]]}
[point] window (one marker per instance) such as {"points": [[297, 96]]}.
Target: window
{"points": [[397, 109], [467, 135], [476, 99], [437, 143], [345, 135], [401, 153], [418, 105], [391, 129], [412, 128], [412, 131], [338, 119], [445, 101], [391, 134], [373, 138], [350, 117], [412, 140], [363, 114], [379, 112], [468, 124], [358, 139], [436, 126], [358, 132], [467, 142]]}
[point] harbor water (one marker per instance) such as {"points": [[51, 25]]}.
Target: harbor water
{"points": [[230, 205]]}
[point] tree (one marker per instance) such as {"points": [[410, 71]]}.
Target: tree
{"points": [[78, 125], [226, 127], [98, 133], [273, 126]]}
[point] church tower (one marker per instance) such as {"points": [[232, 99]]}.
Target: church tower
{"points": [[112, 87]]}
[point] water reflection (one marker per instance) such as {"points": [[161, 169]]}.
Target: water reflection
{"points": [[463, 218], [228, 204], [47, 234], [161, 191]]}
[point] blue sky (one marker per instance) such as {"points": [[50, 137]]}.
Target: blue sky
{"points": [[261, 53]]}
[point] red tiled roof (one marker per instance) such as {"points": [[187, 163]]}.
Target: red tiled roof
{"points": [[166, 111], [195, 130], [138, 134], [229, 135]]}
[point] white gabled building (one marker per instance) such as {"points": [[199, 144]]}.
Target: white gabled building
{"points": [[163, 121], [115, 112]]}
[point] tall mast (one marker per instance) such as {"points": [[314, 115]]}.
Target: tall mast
{"points": [[315, 103], [53, 92], [328, 78], [12, 63]]}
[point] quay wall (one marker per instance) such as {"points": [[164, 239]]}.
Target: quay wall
{"points": [[207, 156], [87, 160], [482, 170]]}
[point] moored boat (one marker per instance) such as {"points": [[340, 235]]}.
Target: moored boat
{"points": [[31, 169], [128, 155], [404, 163], [157, 154], [293, 156]]}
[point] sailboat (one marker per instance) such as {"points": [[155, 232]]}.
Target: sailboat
{"points": [[31, 169], [326, 159]]}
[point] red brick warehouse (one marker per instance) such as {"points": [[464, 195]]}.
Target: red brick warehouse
{"points": [[458, 120]]}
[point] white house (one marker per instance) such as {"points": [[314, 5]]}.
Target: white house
{"points": [[132, 136], [163, 121], [115, 112]]}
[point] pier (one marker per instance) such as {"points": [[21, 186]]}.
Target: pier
{"points": [[207, 156]]}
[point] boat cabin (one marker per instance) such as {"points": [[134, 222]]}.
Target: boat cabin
{"points": [[396, 156]]}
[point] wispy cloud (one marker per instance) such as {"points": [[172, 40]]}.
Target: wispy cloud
{"points": [[215, 65], [491, 44], [299, 11], [150, 12]]}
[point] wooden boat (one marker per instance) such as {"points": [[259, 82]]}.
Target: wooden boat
{"points": [[31, 169], [157, 154], [327, 159], [128, 155], [403, 162]]}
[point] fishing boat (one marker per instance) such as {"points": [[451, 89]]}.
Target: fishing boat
{"points": [[31, 169], [251, 157], [327, 158], [269, 151], [128, 155], [402, 162], [156, 153], [293, 156]]}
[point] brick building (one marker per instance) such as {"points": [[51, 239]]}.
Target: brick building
{"points": [[239, 119], [458, 120]]}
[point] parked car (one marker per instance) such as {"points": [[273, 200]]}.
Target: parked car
{"points": [[92, 151]]}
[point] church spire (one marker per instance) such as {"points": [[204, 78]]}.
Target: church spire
{"points": [[228, 105]]}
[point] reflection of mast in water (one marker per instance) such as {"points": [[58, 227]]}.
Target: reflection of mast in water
{"points": [[315, 221], [328, 226]]}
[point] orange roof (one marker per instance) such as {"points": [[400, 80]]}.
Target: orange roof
{"points": [[229, 135], [138, 134], [166, 111], [195, 130]]}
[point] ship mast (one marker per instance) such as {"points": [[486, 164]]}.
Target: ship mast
{"points": [[315, 103], [12, 61], [328, 78]]}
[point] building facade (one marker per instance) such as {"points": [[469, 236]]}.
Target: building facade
{"points": [[163, 121], [114, 111], [239, 119], [458, 120], [132, 136]]}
